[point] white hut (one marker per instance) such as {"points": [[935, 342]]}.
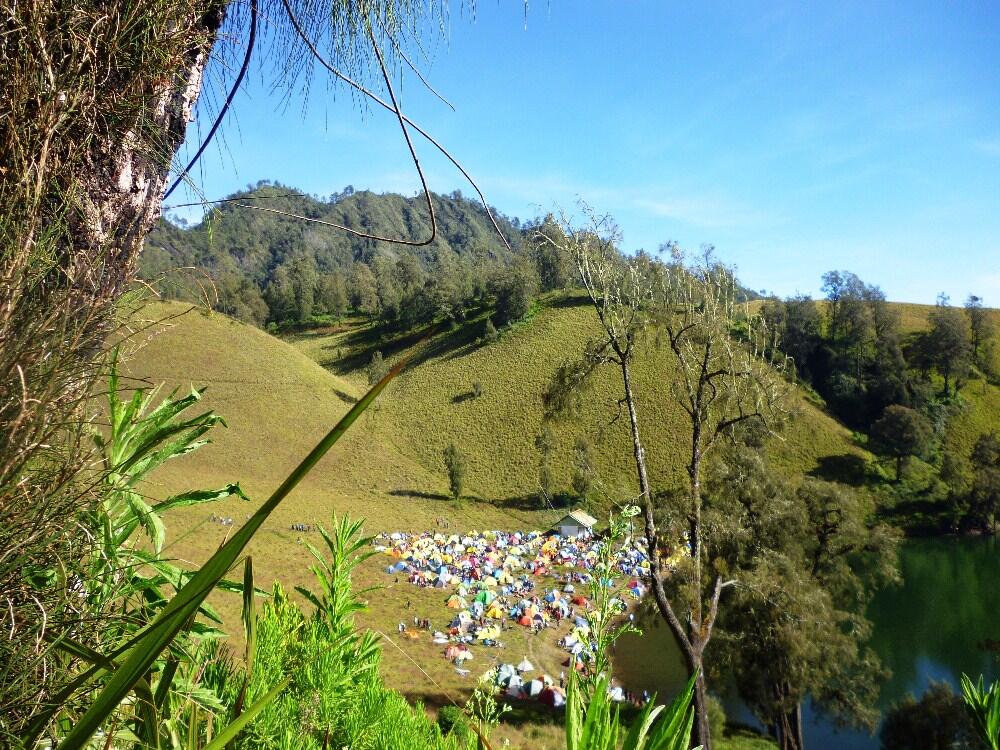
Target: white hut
{"points": [[574, 524]]}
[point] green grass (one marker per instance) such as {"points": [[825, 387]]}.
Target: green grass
{"points": [[977, 412], [431, 406], [280, 396]]}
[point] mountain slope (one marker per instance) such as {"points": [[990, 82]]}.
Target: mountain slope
{"points": [[278, 404], [433, 405]]}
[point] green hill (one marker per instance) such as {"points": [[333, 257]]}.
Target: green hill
{"points": [[433, 405], [256, 241]]}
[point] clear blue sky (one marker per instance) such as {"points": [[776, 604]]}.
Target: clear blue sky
{"points": [[795, 137]]}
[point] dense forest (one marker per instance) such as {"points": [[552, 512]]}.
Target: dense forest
{"points": [[271, 268]]}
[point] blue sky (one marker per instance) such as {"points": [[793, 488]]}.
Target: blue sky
{"points": [[794, 137]]}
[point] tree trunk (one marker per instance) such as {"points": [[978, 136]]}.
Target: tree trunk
{"points": [[124, 176], [702, 734], [700, 630], [690, 649], [97, 100], [790, 730]]}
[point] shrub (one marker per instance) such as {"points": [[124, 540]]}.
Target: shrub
{"points": [[451, 719], [716, 717], [377, 368], [937, 721], [490, 332]]}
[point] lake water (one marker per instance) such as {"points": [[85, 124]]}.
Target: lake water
{"points": [[931, 627]]}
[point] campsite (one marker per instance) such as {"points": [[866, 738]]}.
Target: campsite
{"points": [[496, 581]]}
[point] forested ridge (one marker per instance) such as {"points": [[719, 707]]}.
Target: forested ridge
{"points": [[269, 267]]}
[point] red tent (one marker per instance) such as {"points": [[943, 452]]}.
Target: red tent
{"points": [[547, 696]]}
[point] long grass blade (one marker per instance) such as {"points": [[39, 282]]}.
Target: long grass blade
{"points": [[187, 601]]}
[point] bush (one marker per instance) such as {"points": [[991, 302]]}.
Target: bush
{"points": [[454, 462], [452, 720], [716, 717], [937, 721], [377, 368], [490, 332]]}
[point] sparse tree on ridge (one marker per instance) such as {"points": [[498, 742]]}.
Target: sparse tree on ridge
{"points": [[982, 330], [515, 288], [948, 342]]}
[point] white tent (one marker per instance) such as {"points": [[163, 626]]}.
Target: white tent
{"points": [[525, 666], [534, 688]]}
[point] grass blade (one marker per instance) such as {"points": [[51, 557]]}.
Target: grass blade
{"points": [[232, 730]]}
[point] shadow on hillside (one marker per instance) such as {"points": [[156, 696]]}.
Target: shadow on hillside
{"points": [[570, 300], [419, 493], [846, 468], [363, 343], [534, 501], [347, 398]]}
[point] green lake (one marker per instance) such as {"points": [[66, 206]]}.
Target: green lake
{"points": [[931, 627]]}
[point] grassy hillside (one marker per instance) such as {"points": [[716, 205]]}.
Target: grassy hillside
{"points": [[433, 405], [278, 403]]}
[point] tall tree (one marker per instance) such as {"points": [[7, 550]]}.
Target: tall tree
{"points": [[515, 288], [364, 289], [555, 268], [901, 432], [331, 294], [948, 341], [794, 627], [456, 466], [722, 385], [985, 494], [304, 280], [981, 329]]}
